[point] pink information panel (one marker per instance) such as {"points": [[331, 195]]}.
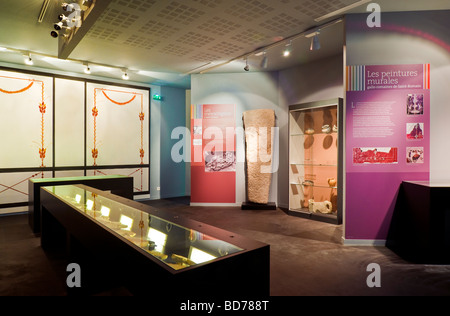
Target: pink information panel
{"points": [[213, 151], [387, 141]]}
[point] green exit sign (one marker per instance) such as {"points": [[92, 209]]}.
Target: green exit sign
{"points": [[157, 97]]}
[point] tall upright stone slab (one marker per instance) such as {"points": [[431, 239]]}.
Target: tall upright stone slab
{"points": [[258, 126]]}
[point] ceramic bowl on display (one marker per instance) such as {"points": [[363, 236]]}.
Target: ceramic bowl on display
{"points": [[332, 182], [326, 129]]}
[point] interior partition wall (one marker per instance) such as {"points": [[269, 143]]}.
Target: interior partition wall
{"points": [[58, 126]]}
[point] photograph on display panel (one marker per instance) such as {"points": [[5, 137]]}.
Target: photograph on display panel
{"points": [[375, 155], [414, 104]]}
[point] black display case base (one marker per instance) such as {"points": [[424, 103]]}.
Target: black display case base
{"points": [[327, 218], [109, 261], [257, 206]]}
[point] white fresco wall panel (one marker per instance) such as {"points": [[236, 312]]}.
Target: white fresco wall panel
{"points": [[14, 186], [117, 125], [69, 123], [25, 120]]}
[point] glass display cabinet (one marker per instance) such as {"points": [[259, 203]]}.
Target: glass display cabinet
{"points": [[315, 160], [117, 184], [151, 246]]}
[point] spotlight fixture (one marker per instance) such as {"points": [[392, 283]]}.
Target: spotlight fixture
{"points": [[125, 75], [87, 69], [287, 50], [264, 61], [64, 18], [246, 68], [68, 6], [55, 34], [315, 43], [59, 26], [28, 60], [71, 22]]}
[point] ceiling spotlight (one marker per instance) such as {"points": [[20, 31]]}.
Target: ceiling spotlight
{"points": [[264, 61], [28, 60], [87, 69], [59, 26], [125, 75], [287, 50], [55, 34], [246, 68], [68, 6], [315, 43]]}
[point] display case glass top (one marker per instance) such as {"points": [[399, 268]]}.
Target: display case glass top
{"points": [[69, 179], [176, 246]]}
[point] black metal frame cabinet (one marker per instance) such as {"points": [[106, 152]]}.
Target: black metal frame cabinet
{"points": [[108, 259]]}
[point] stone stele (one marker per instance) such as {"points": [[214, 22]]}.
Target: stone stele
{"points": [[258, 150]]}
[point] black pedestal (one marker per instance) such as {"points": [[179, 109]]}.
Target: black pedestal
{"points": [[257, 206], [420, 226]]}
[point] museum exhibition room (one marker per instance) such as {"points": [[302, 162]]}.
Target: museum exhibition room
{"points": [[224, 155]]}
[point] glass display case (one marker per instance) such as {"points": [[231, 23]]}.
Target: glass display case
{"points": [[176, 246], [149, 250], [315, 151]]}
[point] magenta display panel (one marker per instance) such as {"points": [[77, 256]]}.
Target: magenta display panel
{"points": [[387, 142]]}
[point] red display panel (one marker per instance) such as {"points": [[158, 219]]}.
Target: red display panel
{"points": [[213, 153]]}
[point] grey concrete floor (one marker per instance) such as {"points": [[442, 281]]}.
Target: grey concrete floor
{"points": [[307, 257]]}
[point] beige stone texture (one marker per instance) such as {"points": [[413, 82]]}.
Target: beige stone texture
{"points": [[258, 141]]}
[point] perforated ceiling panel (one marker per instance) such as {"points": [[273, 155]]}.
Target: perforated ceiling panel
{"points": [[219, 26], [180, 36], [200, 31], [137, 5]]}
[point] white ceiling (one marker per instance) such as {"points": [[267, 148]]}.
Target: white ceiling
{"points": [[162, 41]]}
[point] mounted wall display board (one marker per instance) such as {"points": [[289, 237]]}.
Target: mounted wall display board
{"points": [[59, 126], [213, 154], [387, 142]]}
